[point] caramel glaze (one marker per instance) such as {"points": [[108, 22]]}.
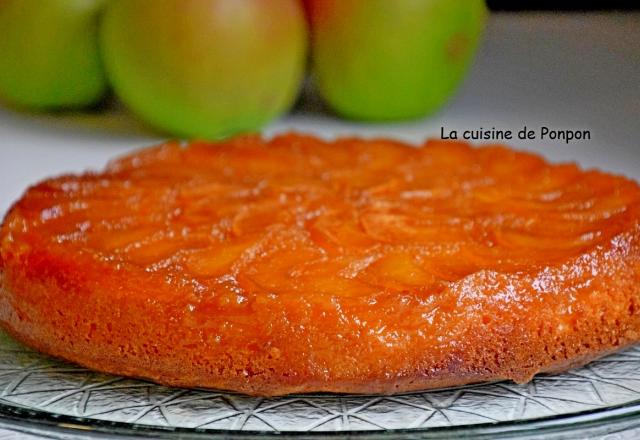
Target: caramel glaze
{"points": [[299, 265]]}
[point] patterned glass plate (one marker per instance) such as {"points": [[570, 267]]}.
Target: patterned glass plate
{"points": [[37, 388]]}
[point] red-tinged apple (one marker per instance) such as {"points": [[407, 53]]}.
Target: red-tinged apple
{"points": [[390, 60], [205, 68]]}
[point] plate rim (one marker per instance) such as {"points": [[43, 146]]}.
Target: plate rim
{"points": [[26, 419]]}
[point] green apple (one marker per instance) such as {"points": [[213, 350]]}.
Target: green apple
{"points": [[390, 60], [205, 68], [49, 53]]}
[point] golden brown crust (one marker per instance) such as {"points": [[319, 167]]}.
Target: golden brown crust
{"points": [[483, 272]]}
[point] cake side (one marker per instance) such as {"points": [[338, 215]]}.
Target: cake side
{"points": [[487, 326]]}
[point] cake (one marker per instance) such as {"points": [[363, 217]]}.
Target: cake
{"points": [[294, 264]]}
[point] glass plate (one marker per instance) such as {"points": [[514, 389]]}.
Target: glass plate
{"points": [[39, 392]]}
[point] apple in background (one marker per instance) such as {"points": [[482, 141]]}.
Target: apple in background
{"points": [[205, 68], [391, 60], [49, 53]]}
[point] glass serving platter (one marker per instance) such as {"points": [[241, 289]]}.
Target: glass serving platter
{"points": [[39, 393]]}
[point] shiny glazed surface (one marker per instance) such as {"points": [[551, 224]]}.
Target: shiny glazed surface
{"points": [[297, 264]]}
